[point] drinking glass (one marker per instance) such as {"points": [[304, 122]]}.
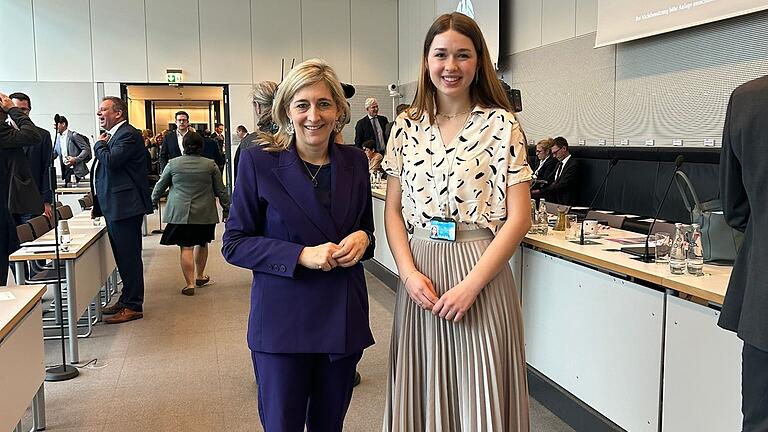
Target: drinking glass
{"points": [[663, 246], [571, 227]]}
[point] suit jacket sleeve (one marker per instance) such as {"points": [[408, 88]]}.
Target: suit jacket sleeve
{"points": [[244, 243], [219, 190], [162, 185], [83, 146], [359, 132], [46, 156], [567, 180], [164, 152], [732, 191], [26, 135]]}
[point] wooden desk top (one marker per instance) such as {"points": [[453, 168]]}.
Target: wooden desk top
{"points": [[83, 234], [712, 286], [13, 311]]}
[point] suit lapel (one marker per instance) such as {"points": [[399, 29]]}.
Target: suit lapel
{"points": [[342, 175], [290, 173]]}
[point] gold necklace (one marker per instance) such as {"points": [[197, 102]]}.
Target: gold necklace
{"points": [[313, 178], [451, 116]]}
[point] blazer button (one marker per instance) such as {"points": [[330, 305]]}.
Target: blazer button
{"points": [[282, 268]]}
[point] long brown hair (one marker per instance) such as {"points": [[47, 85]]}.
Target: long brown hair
{"points": [[485, 89]]}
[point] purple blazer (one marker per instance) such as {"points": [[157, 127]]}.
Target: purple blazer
{"points": [[274, 214]]}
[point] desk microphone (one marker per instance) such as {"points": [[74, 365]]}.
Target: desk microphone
{"points": [[611, 164], [646, 254]]}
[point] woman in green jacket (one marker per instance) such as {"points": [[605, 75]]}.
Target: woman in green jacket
{"points": [[190, 213]]}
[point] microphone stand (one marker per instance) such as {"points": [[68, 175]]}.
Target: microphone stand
{"points": [[63, 371], [611, 164], [647, 258]]}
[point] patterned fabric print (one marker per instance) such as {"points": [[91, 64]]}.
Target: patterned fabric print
{"points": [[468, 175]]}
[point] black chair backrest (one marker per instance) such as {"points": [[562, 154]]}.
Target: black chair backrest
{"points": [[24, 232], [65, 212], [39, 225]]}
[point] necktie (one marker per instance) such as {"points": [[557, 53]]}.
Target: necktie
{"points": [[377, 131], [559, 170]]}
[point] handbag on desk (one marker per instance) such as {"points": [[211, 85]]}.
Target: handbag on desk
{"points": [[720, 242]]}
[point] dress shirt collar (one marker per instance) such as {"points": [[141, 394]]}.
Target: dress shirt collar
{"points": [[565, 161], [114, 129]]}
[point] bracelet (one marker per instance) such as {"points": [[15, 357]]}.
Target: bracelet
{"points": [[409, 275]]}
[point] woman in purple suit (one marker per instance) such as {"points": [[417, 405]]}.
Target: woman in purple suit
{"points": [[301, 220]]}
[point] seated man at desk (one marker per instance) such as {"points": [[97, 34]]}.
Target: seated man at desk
{"points": [[547, 164], [563, 188]]}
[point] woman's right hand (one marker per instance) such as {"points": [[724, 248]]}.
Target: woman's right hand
{"points": [[420, 289], [319, 257]]}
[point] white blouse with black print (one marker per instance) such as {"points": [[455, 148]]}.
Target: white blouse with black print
{"points": [[465, 180]]}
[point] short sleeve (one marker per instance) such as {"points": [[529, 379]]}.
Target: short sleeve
{"points": [[518, 170], [392, 164]]}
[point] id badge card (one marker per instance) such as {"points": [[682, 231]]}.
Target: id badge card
{"points": [[442, 229]]}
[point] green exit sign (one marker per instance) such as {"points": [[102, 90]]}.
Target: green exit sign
{"points": [[173, 75]]}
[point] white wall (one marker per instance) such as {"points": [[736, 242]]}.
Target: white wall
{"points": [[236, 42], [535, 23]]}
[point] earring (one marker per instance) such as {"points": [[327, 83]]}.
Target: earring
{"points": [[339, 126], [289, 128]]}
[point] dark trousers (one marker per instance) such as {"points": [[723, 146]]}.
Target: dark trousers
{"points": [[299, 389], [3, 268], [754, 388], [125, 236]]}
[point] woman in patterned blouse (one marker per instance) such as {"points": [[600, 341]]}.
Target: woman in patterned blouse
{"points": [[456, 160]]}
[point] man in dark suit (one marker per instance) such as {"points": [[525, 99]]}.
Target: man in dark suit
{"points": [[73, 151], [212, 151], [563, 189], [10, 138], [121, 194], [171, 147], [742, 189], [371, 127], [39, 158]]}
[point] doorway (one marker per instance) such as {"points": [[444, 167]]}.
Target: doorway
{"points": [[153, 107]]}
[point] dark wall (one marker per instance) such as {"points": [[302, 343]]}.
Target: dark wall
{"points": [[638, 181]]}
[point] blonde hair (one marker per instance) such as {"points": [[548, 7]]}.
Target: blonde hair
{"points": [[546, 143], [307, 73], [485, 89]]}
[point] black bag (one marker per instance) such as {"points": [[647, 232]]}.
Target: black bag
{"points": [[720, 242], [23, 194]]}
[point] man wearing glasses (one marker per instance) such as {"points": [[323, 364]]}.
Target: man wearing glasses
{"points": [[562, 189], [172, 142]]}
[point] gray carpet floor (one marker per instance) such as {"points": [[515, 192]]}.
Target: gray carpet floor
{"points": [[186, 365]]}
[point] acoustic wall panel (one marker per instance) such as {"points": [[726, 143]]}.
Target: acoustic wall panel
{"points": [[173, 39], [270, 19], [325, 30], [558, 19], [119, 53], [63, 40], [373, 51], [18, 57], [225, 41], [526, 25]]}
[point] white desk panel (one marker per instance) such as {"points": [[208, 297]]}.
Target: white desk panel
{"points": [[381, 253], [702, 371], [597, 336]]}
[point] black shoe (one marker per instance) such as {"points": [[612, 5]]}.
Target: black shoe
{"points": [[202, 282], [111, 310], [188, 291], [358, 378]]}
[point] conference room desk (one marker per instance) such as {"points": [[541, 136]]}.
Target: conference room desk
{"points": [[21, 355], [631, 341], [88, 265]]}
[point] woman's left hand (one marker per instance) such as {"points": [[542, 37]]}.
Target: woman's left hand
{"points": [[352, 249], [455, 303]]}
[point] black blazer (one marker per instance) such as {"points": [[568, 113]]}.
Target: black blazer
{"points": [[170, 148], [364, 130], [212, 152], [743, 161], [40, 159], [547, 172], [564, 190]]}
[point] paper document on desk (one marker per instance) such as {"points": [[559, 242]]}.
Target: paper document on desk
{"points": [[5, 295], [40, 250]]}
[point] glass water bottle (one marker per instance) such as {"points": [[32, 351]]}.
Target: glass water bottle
{"points": [[694, 260], [677, 254]]}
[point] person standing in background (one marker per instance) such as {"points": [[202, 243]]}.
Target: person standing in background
{"points": [[371, 127], [73, 151], [459, 180], [263, 96], [171, 147], [40, 158], [743, 163], [11, 138], [120, 189]]}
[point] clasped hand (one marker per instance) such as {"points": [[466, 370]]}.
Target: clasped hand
{"points": [[330, 255], [451, 306]]}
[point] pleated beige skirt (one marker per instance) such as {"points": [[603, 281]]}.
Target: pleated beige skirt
{"points": [[457, 377]]}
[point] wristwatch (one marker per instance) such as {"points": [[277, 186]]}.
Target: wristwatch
{"points": [[371, 238]]}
